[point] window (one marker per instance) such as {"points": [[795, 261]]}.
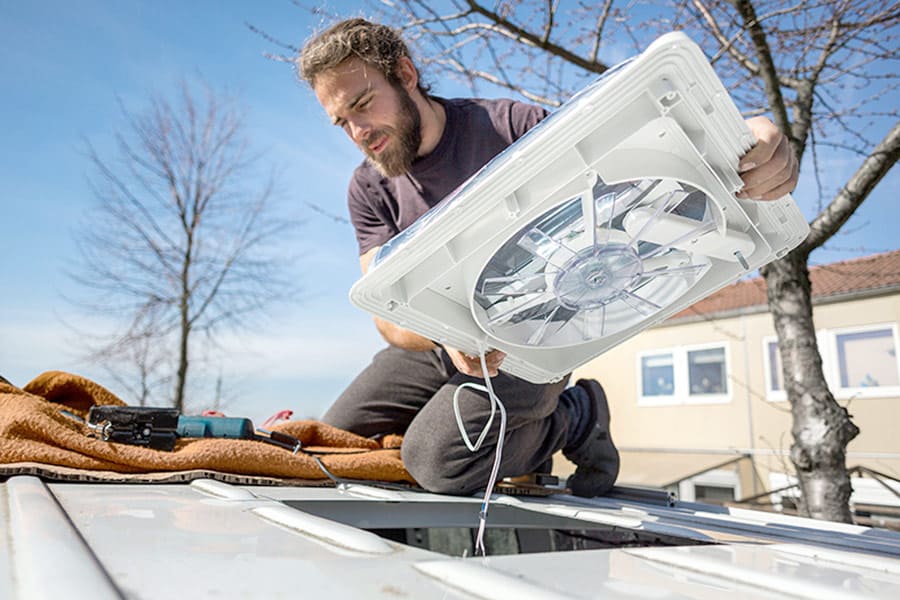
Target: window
{"points": [[863, 361], [858, 362], [706, 371], [867, 359], [716, 486], [774, 373], [684, 375], [713, 494], [657, 375]]}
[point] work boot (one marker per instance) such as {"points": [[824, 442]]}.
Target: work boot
{"points": [[595, 456]]}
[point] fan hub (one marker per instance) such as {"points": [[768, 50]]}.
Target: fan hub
{"points": [[596, 276]]}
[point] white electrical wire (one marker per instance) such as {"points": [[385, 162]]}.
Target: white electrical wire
{"points": [[495, 402]]}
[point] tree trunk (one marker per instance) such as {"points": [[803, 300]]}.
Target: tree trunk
{"points": [[184, 330], [821, 428], [181, 377]]}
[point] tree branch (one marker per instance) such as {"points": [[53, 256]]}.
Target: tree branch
{"points": [[598, 34], [873, 169], [767, 69], [490, 77], [526, 37]]}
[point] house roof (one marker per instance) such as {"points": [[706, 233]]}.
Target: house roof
{"points": [[875, 273]]}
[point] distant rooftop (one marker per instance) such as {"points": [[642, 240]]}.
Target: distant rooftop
{"points": [[868, 275]]}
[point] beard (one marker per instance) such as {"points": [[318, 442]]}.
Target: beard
{"points": [[404, 139]]}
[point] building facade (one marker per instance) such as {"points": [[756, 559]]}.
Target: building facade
{"points": [[698, 403]]}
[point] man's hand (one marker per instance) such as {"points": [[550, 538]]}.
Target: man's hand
{"points": [[770, 169], [471, 365]]}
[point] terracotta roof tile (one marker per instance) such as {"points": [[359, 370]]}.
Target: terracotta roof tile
{"points": [[835, 279]]}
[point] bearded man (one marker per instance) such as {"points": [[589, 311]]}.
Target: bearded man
{"points": [[418, 148]]}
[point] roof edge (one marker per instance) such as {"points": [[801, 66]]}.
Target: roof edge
{"points": [[761, 308]]}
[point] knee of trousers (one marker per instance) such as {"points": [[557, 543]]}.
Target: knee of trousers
{"points": [[443, 467]]}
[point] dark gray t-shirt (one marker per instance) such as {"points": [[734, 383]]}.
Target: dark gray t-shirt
{"points": [[476, 130]]}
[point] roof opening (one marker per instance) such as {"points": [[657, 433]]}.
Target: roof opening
{"points": [[449, 527]]}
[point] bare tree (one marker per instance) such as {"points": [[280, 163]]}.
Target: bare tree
{"points": [[138, 364], [822, 70], [182, 244]]}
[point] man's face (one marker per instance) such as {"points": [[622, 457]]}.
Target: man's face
{"points": [[379, 117]]}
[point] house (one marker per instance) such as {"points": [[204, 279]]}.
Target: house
{"points": [[698, 404]]}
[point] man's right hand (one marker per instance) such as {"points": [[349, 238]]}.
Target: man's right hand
{"points": [[471, 365]]}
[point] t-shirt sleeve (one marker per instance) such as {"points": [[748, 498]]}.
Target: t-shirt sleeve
{"points": [[524, 116], [371, 228]]}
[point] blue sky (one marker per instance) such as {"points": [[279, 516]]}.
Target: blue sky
{"points": [[64, 67]]}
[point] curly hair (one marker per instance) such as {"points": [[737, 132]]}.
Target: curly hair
{"points": [[377, 45]]}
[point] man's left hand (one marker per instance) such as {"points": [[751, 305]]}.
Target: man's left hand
{"points": [[770, 169], [468, 364]]}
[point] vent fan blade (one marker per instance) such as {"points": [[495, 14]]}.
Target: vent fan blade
{"points": [[597, 264]]}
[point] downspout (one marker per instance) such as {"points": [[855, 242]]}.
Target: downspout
{"points": [[752, 444]]}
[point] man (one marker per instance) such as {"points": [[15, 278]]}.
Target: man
{"points": [[419, 148]]}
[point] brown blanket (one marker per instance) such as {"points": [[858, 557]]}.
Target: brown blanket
{"points": [[32, 430]]}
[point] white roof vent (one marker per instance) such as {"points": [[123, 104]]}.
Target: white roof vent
{"points": [[614, 213]]}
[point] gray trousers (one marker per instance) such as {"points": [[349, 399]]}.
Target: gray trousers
{"points": [[411, 393]]}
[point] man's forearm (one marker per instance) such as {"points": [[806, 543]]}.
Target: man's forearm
{"points": [[402, 338]]}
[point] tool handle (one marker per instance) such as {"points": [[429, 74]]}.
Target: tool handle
{"points": [[215, 427]]}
